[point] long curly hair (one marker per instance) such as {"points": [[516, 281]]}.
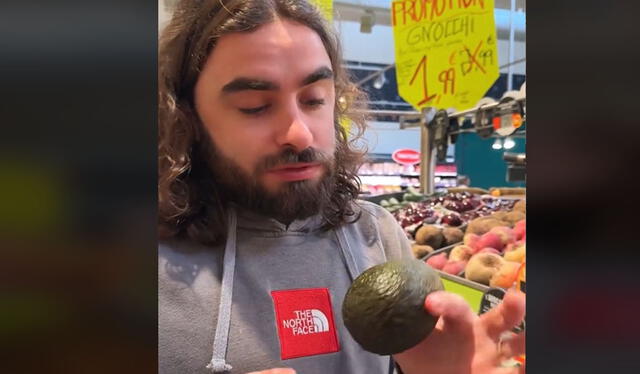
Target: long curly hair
{"points": [[190, 202]]}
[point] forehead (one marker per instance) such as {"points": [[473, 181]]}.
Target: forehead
{"points": [[279, 50]]}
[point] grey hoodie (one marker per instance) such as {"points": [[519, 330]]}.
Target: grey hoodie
{"points": [[253, 330]]}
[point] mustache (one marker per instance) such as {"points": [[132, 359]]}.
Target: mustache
{"points": [[290, 156]]}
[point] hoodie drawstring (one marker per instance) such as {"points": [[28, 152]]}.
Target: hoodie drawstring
{"points": [[221, 339]]}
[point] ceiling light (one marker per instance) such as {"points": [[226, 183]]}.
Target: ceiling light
{"points": [[497, 144], [380, 81], [509, 143]]}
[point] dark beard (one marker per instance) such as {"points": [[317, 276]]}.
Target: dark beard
{"points": [[294, 200]]}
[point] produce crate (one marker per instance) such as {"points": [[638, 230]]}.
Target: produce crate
{"points": [[462, 227], [440, 250], [472, 292]]}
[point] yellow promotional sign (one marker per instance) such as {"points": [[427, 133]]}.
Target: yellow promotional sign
{"points": [[446, 51], [326, 7]]}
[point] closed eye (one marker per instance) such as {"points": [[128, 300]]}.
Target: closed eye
{"points": [[314, 102], [256, 110]]}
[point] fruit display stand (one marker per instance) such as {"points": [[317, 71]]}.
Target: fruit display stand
{"points": [[471, 291], [492, 230], [491, 253], [439, 220]]}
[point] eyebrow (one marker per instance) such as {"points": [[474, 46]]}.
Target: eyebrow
{"points": [[320, 74], [244, 84]]}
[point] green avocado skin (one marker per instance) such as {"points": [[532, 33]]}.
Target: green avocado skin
{"points": [[384, 307]]}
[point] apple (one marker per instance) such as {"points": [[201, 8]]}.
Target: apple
{"points": [[451, 220], [466, 205], [468, 216], [453, 205], [471, 240], [519, 232], [490, 239], [506, 276], [518, 254], [438, 261], [453, 196], [425, 212], [460, 253], [520, 229], [405, 221], [505, 233], [482, 266], [454, 267], [509, 247], [489, 250], [475, 202]]}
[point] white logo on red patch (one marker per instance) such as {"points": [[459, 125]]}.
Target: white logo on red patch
{"points": [[304, 318], [308, 321]]}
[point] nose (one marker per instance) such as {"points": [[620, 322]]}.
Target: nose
{"points": [[295, 132]]}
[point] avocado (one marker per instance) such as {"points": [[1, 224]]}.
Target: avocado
{"points": [[383, 309]]}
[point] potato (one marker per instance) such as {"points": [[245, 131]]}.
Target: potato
{"points": [[430, 235], [499, 215], [452, 235], [419, 250], [482, 225], [513, 217]]}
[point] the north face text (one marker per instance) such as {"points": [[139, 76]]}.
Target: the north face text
{"points": [[307, 321]]}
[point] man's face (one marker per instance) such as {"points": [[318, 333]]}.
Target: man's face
{"points": [[267, 92]]}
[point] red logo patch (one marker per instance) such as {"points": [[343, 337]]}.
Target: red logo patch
{"points": [[305, 322]]}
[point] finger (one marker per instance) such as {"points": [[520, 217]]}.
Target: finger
{"points": [[452, 308], [513, 346], [275, 371], [505, 316]]}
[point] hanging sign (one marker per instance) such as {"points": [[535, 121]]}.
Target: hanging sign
{"points": [[326, 7], [446, 51], [406, 156]]}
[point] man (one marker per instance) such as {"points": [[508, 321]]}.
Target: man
{"points": [[261, 231]]}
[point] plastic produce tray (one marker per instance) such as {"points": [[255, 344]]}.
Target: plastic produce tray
{"points": [[471, 291]]}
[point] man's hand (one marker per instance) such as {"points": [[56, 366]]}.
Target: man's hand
{"points": [[275, 371], [464, 343]]}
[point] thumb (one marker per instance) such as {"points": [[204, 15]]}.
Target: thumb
{"points": [[452, 308]]}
